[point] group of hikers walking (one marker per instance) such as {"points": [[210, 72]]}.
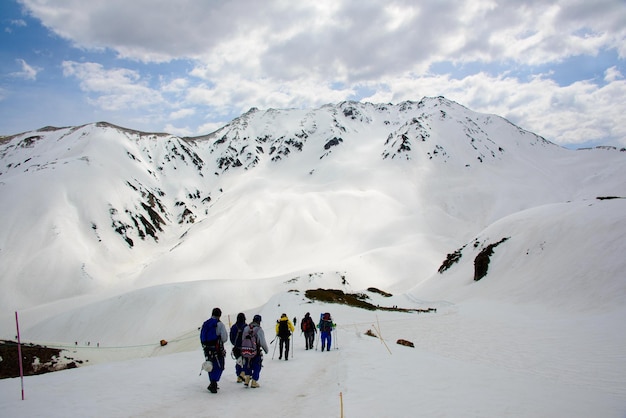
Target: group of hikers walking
{"points": [[249, 344], [309, 330]]}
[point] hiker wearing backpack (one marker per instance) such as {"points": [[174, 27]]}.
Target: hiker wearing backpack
{"points": [[213, 335], [326, 326], [284, 329], [252, 346], [235, 339], [308, 328]]}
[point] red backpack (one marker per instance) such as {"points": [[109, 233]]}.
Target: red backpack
{"points": [[307, 324]]}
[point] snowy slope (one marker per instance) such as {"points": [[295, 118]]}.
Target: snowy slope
{"points": [[572, 251], [473, 358], [113, 239], [380, 193]]}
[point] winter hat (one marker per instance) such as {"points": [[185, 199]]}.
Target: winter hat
{"points": [[307, 315], [284, 315], [241, 317], [217, 312], [257, 319]]}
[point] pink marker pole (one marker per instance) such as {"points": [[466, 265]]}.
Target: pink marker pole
{"points": [[19, 353]]}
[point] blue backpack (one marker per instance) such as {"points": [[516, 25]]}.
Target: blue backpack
{"points": [[208, 334], [326, 323]]}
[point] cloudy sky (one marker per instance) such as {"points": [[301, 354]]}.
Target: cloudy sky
{"points": [[187, 67]]}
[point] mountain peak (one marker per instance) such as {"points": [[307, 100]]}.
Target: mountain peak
{"points": [[338, 183]]}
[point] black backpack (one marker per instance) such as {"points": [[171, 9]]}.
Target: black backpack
{"points": [[283, 329]]}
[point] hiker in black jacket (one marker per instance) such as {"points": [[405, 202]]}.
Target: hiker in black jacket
{"points": [[308, 328], [235, 340]]}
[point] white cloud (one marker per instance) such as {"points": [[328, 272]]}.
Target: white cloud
{"points": [[233, 93], [18, 23], [178, 131], [28, 72], [612, 74], [294, 54], [579, 113], [348, 33], [182, 113], [177, 85], [209, 127], [399, 17], [115, 89]]}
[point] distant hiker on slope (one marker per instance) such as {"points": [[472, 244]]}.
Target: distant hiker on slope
{"points": [[213, 335], [308, 328], [284, 329], [235, 339], [326, 326], [253, 338]]}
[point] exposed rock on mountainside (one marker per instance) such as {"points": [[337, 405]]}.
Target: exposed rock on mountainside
{"points": [[36, 360]]}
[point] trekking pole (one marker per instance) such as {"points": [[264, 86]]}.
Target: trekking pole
{"points": [[274, 349], [336, 339], [292, 350]]}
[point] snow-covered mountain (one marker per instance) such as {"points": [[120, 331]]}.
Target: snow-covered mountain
{"points": [[376, 194], [113, 239]]}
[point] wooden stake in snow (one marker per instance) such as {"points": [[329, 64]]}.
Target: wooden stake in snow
{"points": [[19, 353], [341, 403], [380, 335]]}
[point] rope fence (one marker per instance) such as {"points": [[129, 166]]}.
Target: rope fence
{"points": [[351, 326]]}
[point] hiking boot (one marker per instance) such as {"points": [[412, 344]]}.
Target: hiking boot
{"points": [[241, 377], [247, 380], [212, 387], [254, 384]]}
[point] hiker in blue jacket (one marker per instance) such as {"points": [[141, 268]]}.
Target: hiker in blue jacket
{"points": [[235, 340], [252, 366], [213, 336], [326, 326]]}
